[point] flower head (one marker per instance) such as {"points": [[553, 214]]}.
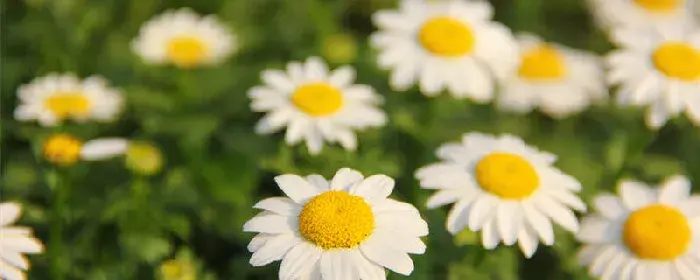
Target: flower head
{"points": [[184, 39], [644, 233], [65, 149], [507, 190], [315, 104], [55, 98], [346, 228]]}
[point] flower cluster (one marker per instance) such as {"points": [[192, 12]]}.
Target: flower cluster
{"points": [[349, 227]]}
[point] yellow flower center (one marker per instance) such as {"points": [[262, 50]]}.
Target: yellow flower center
{"points": [[186, 51], [657, 232], [68, 104], [445, 36], [143, 158], [508, 176], [176, 270], [62, 149], [658, 6], [678, 60], [336, 220], [542, 63], [317, 99]]}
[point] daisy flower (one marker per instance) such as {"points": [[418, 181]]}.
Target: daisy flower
{"points": [[184, 39], [504, 188], [559, 80], [659, 69], [451, 45], [15, 241], [55, 98], [644, 233], [315, 104], [611, 14], [66, 149], [346, 228]]}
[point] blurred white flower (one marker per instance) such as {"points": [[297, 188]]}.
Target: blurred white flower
{"points": [[15, 241], [315, 104], [613, 14], [450, 44], [347, 228], [55, 98], [559, 80], [643, 233], [65, 149], [184, 39], [658, 68], [504, 188]]}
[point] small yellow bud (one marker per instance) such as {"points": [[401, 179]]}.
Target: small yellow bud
{"points": [[62, 149], [340, 48], [177, 270], [143, 158]]}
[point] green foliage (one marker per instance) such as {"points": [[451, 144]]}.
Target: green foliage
{"points": [[122, 226]]}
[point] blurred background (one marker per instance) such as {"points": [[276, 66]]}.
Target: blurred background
{"points": [[182, 219]]}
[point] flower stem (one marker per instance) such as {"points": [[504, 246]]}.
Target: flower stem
{"points": [[58, 186]]}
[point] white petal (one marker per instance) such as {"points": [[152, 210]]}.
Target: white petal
{"points": [[509, 221], [399, 240], [10, 272], [374, 188], [316, 69], [614, 268], [458, 217], [656, 116], [527, 241], [635, 195], [9, 213], [346, 138], [431, 78], [489, 235], [296, 130], [674, 190], [23, 244], [407, 222], [387, 256], [342, 77], [274, 121], [540, 222], [278, 80], [318, 181], [600, 263], [482, 210], [481, 85], [365, 268], [389, 205], [296, 188], [15, 259], [314, 142], [596, 230], [442, 197], [333, 266], [274, 249], [404, 76], [280, 205], [609, 206], [567, 198], [271, 223], [101, 149], [344, 178], [559, 214], [258, 241], [297, 259], [691, 206], [587, 254]]}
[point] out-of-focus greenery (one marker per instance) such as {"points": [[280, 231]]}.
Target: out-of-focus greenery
{"points": [[122, 226]]}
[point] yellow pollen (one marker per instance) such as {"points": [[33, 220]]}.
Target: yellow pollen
{"points": [[657, 232], [543, 62], [658, 6], [68, 104], [317, 99], [677, 60], [446, 36], [336, 220], [507, 176], [62, 149], [186, 51]]}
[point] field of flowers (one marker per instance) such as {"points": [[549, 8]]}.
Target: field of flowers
{"points": [[451, 139]]}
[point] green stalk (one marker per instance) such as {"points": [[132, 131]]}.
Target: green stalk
{"points": [[57, 184]]}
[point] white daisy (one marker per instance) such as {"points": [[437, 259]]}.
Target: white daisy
{"points": [[611, 14], [559, 80], [15, 241], [315, 105], [644, 233], [500, 186], [451, 45], [65, 149], [347, 228], [659, 69], [55, 98], [184, 39]]}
